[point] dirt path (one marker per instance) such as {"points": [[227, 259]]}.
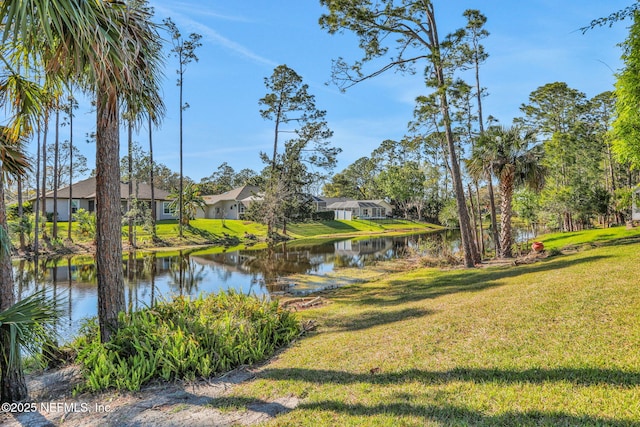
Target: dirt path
{"points": [[162, 404]]}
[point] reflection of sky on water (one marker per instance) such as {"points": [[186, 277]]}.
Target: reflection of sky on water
{"points": [[154, 277]]}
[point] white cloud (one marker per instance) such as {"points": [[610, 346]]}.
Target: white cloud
{"points": [[210, 34]]}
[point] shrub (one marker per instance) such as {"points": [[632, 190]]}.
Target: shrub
{"points": [[184, 339], [86, 222], [12, 210]]}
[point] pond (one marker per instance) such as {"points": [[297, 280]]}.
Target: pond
{"points": [[150, 277]]}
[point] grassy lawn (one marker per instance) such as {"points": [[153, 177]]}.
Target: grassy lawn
{"points": [[587, 237], [208, 231], [330, 228], [551, 343]]}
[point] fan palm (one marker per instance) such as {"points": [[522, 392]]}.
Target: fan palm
{"points": [[12, 162], [511, 155], [25, 325], [192, 202], [110, 49]]}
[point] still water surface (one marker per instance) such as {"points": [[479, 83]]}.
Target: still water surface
{"points": [[150, 277]]}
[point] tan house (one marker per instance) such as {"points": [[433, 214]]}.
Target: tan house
{"points": [[230, 205], [84, 197]]}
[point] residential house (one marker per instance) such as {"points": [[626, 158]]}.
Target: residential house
{"points": [[233, 204], [230, 205], [360, 209], [84, 197]]}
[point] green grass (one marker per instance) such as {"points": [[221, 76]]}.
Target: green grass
{"points": [[234, 232], [544, 344], [330, 228], [597, 236]]}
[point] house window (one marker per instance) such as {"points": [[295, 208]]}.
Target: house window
{"points": [[92, 205], [365, 212], [165, 208], [241, 208], [75, 204]]}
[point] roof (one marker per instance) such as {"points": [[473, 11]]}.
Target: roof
{"points": [[86, 189], [237, 194], [351, 204]]}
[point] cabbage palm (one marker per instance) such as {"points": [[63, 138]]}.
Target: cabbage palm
{"points": [[192, 202], [512, 156], [110, 49], [12, 162], [24, 325]]}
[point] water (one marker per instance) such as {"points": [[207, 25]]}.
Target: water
{"points": [[150, 277]]}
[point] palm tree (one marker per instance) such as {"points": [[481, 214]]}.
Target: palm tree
{"points": [[12, 161], [24, 325], [110, 48], [512, 156], [192, 201]]}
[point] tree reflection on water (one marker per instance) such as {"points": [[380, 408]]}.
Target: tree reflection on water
{"points": [[150, 277]]}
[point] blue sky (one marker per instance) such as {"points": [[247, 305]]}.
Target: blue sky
{"points": [[531, 43]]}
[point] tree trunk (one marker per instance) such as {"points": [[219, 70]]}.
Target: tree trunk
{"points": [[36, 206], [494, 214], [12, 383], [23, 244], [56, 155], [506, 192], [44, 172], [130, 188], [153, 196], [181, 184], [474, 216], [70, 168], [481, 231], [471, 255], [108, 214]]}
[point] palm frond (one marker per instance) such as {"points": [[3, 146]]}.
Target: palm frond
{"points": [[13, 159], [28, 323]]}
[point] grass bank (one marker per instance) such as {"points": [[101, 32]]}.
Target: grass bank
{"points": [[550, 343], [229, 233], [356, 227]]}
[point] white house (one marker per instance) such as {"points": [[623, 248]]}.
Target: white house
{"points": [[360, 209], [84, 197], [233, 204], [230, 205]]}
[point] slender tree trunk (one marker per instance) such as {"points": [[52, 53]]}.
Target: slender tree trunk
{"points": [[70, 167], [494, 214], [481, 231], [56, 155], [474, 216], [130, 173], [471, 255], [180, 197], [36, 207], [506, 192], [108, 214], [12, 384], [23, 244], [44, 173], [151, 179]]}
